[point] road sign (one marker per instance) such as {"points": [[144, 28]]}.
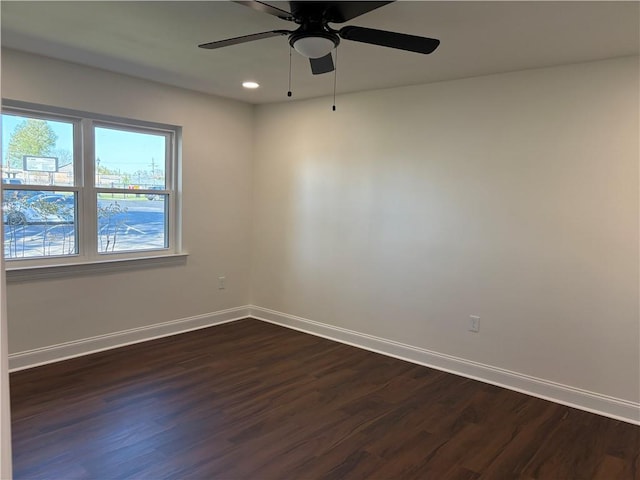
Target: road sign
{"points": [[40, 164]]}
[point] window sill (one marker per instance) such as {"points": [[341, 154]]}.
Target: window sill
{"points": [[22, 274]]}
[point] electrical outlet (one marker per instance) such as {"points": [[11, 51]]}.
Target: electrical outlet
{"points": [[474, 323], [221, 281]]}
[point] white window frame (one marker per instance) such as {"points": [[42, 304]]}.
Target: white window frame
{"points": [[87, 191]]}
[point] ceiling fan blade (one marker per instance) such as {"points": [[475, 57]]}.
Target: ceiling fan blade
{"points": [[322, 64], [333, 12], [400, 41], [243, 39], [339, 12], [266, 8]]}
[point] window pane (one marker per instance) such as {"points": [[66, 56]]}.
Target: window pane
{"points": [[39, 223], [36, 151], [132, 222], [126, 159]]}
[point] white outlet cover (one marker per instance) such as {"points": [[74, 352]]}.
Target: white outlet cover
{"points": [[474, 323]]}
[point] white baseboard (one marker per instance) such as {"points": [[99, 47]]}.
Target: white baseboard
{"points": [[76, 348], [573, 397]]}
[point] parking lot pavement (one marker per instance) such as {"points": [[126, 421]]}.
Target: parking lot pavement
{"points": [[140, 225]]}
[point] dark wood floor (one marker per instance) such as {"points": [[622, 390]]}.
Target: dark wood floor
{"points": [[250, 400]]}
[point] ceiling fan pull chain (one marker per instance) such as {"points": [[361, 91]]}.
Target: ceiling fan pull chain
{"points": [[335, 76], [289, 92]]}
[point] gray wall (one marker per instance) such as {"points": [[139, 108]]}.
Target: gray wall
{"points": [[513, 197], [216, 176]]}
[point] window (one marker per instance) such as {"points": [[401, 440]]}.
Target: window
{"points": [[81, 188]]}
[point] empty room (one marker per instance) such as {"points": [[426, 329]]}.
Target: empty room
{"points": [[312, 240]]}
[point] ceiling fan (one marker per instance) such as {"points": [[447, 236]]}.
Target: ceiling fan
{"points": [[315, 39]]}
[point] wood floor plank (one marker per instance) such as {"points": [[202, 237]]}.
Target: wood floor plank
{"points": [[251, 400]]}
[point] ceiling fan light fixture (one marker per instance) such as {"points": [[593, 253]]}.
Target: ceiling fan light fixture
{"points": [[314, 46]]}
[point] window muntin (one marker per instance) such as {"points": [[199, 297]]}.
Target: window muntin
{"points": [[121, 180]]}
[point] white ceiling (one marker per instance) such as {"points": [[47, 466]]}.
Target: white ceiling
{"points": [[158, 41]]}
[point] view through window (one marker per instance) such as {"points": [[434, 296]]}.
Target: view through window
{"points": [[77, 188], [133, 161]]}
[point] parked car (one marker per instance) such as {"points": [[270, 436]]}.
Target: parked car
{"points": [[64, 200], [13, 195], [12, 181], [43, 208], [153, 196]]}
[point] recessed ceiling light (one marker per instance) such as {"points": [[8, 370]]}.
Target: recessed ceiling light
{"points": [[250, 85]]}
